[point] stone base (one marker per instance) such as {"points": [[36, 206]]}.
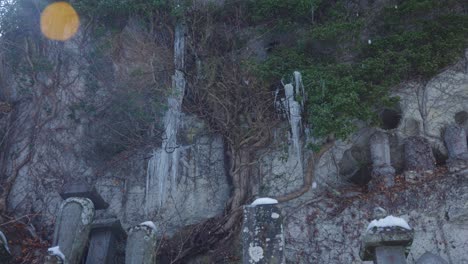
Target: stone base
{"points": [[457, 165], [384, 237], [52, 260], [382, 177]]}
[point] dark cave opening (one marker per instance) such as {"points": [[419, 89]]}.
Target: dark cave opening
{"points": [[390, 118]]}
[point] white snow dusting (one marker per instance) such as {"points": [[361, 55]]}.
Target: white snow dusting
{"points": [[149, 224], [388, 222], [264, 200], [255, 253], [314, 185], [55, 251]]}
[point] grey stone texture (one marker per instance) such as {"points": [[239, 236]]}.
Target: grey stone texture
{"points": [[390, 255], [456, 142], [379, 243], [382, 171], [72, 228], [141, 245], [328, 229], [262, 235], [418, 154], [419, 159], [431, 258], [52, 259], [104, 237]]}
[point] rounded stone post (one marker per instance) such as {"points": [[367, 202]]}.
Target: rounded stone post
{"points": [[455, 140], [141, 244], [382, 171], [419, 159], [430, 258], [262, 233], [72, 229]]}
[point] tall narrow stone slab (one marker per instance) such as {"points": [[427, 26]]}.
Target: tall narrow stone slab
{"points": [[382, 171], [104, 237], [141, 245], [419, 159], [430, 258], [455, 140], [72, 228], [262, 235]]}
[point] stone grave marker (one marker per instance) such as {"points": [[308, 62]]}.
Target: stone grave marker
{"points": [[141, 244], [262, 233]]}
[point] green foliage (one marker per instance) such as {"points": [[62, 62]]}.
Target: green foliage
{"points": [[282, 10], [336, 29], [415, 40], [109, 9]]}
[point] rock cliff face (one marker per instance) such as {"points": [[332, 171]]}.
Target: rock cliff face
{"points": [[47, 142]]}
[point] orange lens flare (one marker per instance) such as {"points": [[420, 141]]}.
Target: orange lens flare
{"points": [[59, 21]]}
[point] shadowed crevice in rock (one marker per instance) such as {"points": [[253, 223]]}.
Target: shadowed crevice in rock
{"points": [[390, 118]]}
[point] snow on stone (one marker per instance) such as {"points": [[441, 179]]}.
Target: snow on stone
{"points": [[55, 251], [388, 222], [314, 185], [255, 253], [264, 200], [275, 215], [149, 224]]}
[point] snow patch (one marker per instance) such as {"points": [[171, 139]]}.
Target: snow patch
{"points": [[55, 251], [264, 200], [274, 215], [149, 224], [314, 185], [255, 253], [388, 222]]}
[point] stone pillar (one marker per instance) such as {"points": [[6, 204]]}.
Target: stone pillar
{"points": [[5, 254], [455, 140], [429, 258], [103, 241], [262, 235], [386, 244], [419, 159], [141, 245], [72, 228], [382, 171]]}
